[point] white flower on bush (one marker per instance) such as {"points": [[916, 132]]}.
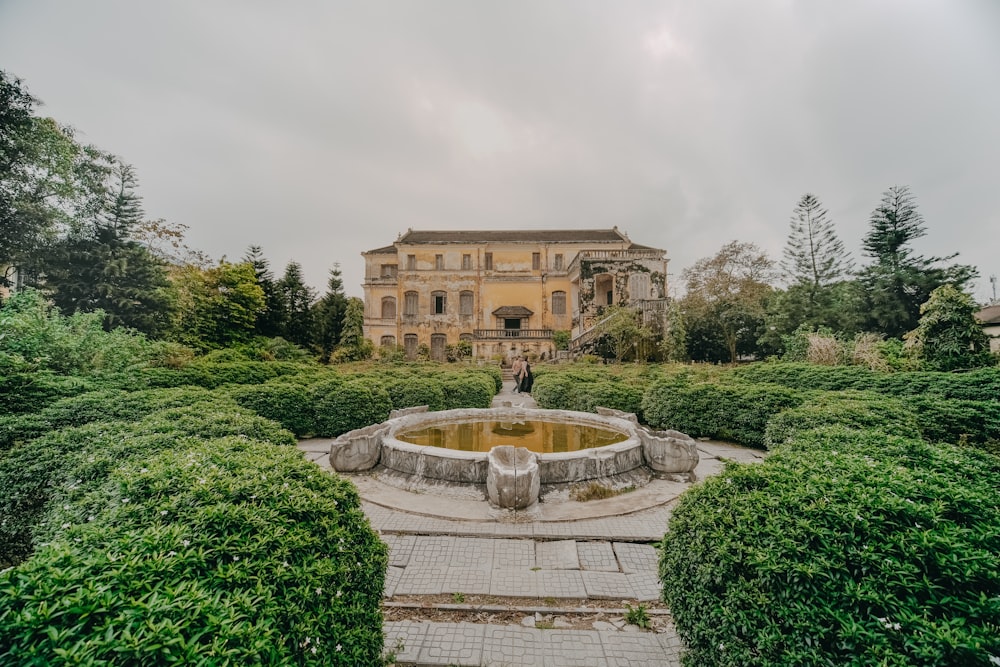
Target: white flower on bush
{"points": [[124, 501], [66, 525], [339, 647], [186, 543], [236, 558], [319, 591], [163, 512]]}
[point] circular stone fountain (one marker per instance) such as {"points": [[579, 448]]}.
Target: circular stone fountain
{"points": [[482, 447]]}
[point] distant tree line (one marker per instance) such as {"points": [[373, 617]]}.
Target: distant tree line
{"points": [[74, 228]]}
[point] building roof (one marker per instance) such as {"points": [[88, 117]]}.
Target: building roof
{"points": [[386, 250], [512, 311], [989, 315], [513, 236]]}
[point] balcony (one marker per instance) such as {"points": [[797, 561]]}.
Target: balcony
{"points": [[505, 334]]}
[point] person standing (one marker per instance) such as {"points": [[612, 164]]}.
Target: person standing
{"points": [[527, 379], [515, 370]]}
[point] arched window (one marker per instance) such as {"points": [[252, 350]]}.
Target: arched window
{"points": [[410, 303], [439, 301], [466, 302], [388, 341], [388, 308], [559, 303]]}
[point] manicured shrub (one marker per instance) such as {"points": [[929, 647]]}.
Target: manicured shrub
{"points": [[617, 395], [15, 430], [856, 410], [413, 390], [739, 413], [226, 552], [468, 390], [30, 392], [555, 391], [496, 375], [284, 402], [843, 548], [956, 421], [344, 406]]}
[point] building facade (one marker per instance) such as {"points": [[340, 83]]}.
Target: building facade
{"points": [[505, 292]]}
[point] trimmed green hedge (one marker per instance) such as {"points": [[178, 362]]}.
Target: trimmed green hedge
{"points": [[222, 552], [473, 390], [289, 404], [843, 548], [729, 412], [409, 391], [856, 410], [347, 405]]}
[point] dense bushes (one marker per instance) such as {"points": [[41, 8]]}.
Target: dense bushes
{"points": [[739, 412], [196, 556], [287, 403], [474, 390], [844, 548], [415, 390], [347, 405]]}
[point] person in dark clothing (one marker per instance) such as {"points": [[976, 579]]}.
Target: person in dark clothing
{"points": [[527, 378]]}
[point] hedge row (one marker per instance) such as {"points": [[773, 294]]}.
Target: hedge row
{"points": [[843, 548], [979, 385], [585, 391], [189, 537]]}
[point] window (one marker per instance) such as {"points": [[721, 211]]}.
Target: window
{"points": [[465, 336], [439, 301], [410, 345], [536, 261], [438, 344], [466, 262], [558, 262], [410, 304], [388, 308], [466, 302], [439, 262], [559, 303], [388, 271], [488, 261], [638, 286], [388, 341], [411, 262]]}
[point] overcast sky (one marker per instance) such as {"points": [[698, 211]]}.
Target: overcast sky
{"points": [[320, 129]]}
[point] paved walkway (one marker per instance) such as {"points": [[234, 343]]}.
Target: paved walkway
{"points": [[598, 550]]}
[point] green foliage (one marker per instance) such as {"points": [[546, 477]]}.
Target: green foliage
{"points": [[856, 410], [344, 406], [949, 337], [217, 306], [845, 548], [468, 390], [554, 391], [561, 338], [739, 413], [637, 616], [415, 390], [287, 403], [204, 554]]}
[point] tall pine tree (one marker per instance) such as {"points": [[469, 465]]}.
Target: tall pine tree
{"points": [[328, 315], [272, 320], [297, 298], [898, 281]]}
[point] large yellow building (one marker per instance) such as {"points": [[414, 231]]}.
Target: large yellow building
{"points": [[506, 292]]}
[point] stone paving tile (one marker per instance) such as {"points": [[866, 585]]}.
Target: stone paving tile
{"points": [[645, 585], [559, 555], [404, 638], [636, 557], [472, 552], [636, 649], [514, 583], [597, 556], [432, 550], [508, 553], [400, 548], [607, 586], [572, 648], [457, 644], [469, 580], [422, 580], [392, 577], [512, 646], [561, 584]]}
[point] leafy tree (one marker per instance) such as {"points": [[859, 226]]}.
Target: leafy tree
{"points": [[297, 299], [328, 315], [727, 293], [353, 344], [272, 320], [674, 344], [898, 281], [217, 306], [621, 331], [949, 337], [96, 266]]}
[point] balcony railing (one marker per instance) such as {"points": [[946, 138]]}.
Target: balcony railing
{"points": [[498, 334], [613, 255]]}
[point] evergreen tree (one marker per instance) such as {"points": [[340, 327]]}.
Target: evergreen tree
{"points": [[297, 299], [217, 306], [898, 281], [328, 315], [272, 320], [814, 255], [949, 337], [96, 266]]}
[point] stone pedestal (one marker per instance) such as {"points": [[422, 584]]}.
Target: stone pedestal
{"points": [[357, 450], [669, 451], [512, 480]]}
